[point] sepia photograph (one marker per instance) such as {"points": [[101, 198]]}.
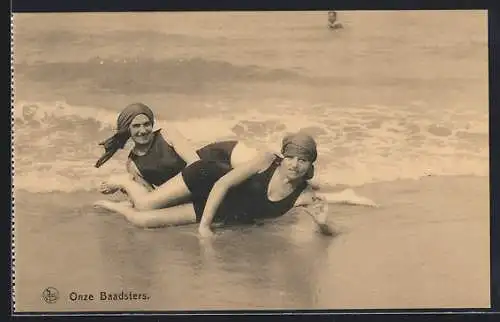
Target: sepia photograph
{"points": [[250, 160]]}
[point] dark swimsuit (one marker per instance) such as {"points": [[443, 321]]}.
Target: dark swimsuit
{"points": [[161, 162], [242, 204], [219, 151]]}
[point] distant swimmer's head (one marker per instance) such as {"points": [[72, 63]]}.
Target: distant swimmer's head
{"points": [[135, 121], [332, 17], [299, 151]]}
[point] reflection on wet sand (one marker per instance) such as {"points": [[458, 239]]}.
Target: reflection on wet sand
{"points": [[244, 267]]}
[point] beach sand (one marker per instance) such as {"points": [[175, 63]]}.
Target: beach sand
{"points": [[426, 246]]}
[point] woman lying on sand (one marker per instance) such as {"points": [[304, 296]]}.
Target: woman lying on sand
{"points": [[267, 186], [253, 185]]}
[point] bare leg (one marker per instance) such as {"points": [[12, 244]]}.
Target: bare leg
{"points": [[242, 153], [174, 216], [172, 193]]}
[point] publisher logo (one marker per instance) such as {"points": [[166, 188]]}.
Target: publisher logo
{"points": [[50, 295]]}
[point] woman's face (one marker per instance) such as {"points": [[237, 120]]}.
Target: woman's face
{"points": [[141, 130], [295, 167]]}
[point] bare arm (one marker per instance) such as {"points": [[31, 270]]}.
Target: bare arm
{"points": [[133, 174], [181, 145], [137, 176], [231, 179], [316, 204]]}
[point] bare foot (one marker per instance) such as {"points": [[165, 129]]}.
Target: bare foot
{"points": [[205, 232], [348, 196]]}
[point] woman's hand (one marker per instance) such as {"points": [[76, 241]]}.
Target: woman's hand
{"points": [[317, 208], [326, 229], [321, 219], [205, 231], [108, 188], [113, 184]]}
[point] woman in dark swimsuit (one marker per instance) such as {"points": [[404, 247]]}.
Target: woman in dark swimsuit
{"points": [[267, 186], [159, 156], [156, 156]]}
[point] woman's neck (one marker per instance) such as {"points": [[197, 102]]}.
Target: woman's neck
{"points": [[280, 186], [141, 149]]}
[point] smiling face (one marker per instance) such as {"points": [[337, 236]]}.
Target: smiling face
{"points": [[295, 166], [141, 130]]}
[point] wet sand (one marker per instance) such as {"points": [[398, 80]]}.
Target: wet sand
{"points": [[427, 246]]}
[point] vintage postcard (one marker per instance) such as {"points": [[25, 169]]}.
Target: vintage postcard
{"points": [[175, 161]]}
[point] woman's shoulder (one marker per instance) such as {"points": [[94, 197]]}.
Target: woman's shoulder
{"points": [[160, 136]]}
